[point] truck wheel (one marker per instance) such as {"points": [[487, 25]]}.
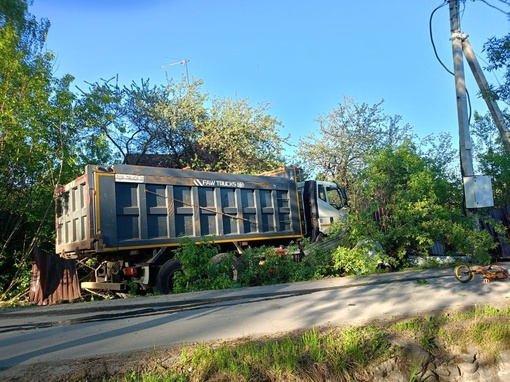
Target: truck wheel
{"points": [[165, 279], [217, 259]]}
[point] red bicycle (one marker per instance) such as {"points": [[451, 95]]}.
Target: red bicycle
{"points": [[464, 273]]}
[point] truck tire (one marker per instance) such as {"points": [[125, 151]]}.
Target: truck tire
{"points": [[165, 279], [217, 259]]}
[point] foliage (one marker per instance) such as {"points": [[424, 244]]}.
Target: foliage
{"points": [[492, 158], [204, 268], [199, 272], [498, 56], [241, 138], [317, 264], [265, 266], [13, 12], [491, 154], [36, 138], [406, 204], [441, 156], [141, 120], [364, 258], [471, 241], [346, 139], [171, 126]]}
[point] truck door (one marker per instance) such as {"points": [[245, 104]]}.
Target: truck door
{"points": [[322, 204], [331, 204], [310, 210]]}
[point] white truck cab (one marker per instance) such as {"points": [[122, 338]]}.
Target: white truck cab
{"points": [[322, 203]]}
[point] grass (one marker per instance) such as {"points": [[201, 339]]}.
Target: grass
{"points": [[340, 354]]}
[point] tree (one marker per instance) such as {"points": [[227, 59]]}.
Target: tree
{"points": [[498, 56], [36, 135], [142, 119], [171, 126], [241, 138], [347, 137], [492, 157]]}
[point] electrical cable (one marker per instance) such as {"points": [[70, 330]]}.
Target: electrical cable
{"points": [[469, 107], [493, 6], [432, 38]]}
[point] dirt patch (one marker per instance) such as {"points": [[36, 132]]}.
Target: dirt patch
{"points": [[90, 369]]}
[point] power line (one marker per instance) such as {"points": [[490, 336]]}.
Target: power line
{"points": [[432, 37]]}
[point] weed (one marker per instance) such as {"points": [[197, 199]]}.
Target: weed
{"points": [[416, 370]]}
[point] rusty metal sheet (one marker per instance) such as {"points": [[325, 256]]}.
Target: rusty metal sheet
{"points": [[54, 280]]}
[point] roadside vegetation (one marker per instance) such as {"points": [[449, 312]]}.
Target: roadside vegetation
{"points": [[405, 196], [350, 353], [405, 191]]}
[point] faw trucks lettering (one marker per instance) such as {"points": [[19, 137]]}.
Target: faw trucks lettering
{"points": [[129, 178], [217, 183]]}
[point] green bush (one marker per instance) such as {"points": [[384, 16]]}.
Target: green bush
{"points": [[363, 259], [264, 266], [407, 203], [199, 271], [473, 242], [317, 264], [204, 268]]}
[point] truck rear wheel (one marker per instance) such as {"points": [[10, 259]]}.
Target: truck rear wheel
{"points": [[217, 259], [165, 279]]}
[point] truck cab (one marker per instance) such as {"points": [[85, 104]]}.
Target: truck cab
{"points": [[321, 204]]}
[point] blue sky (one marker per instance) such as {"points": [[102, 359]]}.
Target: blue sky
{"points": [[302, 57]]}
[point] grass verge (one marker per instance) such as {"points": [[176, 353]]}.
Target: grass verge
{"points": [[340, 354]]}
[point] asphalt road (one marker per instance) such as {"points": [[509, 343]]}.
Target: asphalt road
{"points": [[70, 331]]}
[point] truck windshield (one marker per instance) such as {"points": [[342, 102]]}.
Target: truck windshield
{"points": [[335, 197]]}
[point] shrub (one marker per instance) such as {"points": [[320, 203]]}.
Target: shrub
{"points": [[407, 203], [199, 271], [363, 259]]}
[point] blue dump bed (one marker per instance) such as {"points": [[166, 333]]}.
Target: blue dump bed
{"points": [[127, 207]]}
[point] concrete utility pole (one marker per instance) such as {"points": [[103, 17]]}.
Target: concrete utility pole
{"points": [[492, 105], [466, 158]]}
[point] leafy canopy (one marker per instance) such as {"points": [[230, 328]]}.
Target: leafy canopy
{"points": [[36, 135], [171, 126]]}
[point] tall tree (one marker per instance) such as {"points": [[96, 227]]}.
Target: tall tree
{"points": [[36, 135], [141, 120], [241, 138], [346, 138], [178, 125]]}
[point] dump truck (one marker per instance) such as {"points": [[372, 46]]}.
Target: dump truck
{"points": [[128, 220]]}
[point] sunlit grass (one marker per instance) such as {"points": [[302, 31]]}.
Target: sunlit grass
{"points": [[340, 354], [489, 328]]}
